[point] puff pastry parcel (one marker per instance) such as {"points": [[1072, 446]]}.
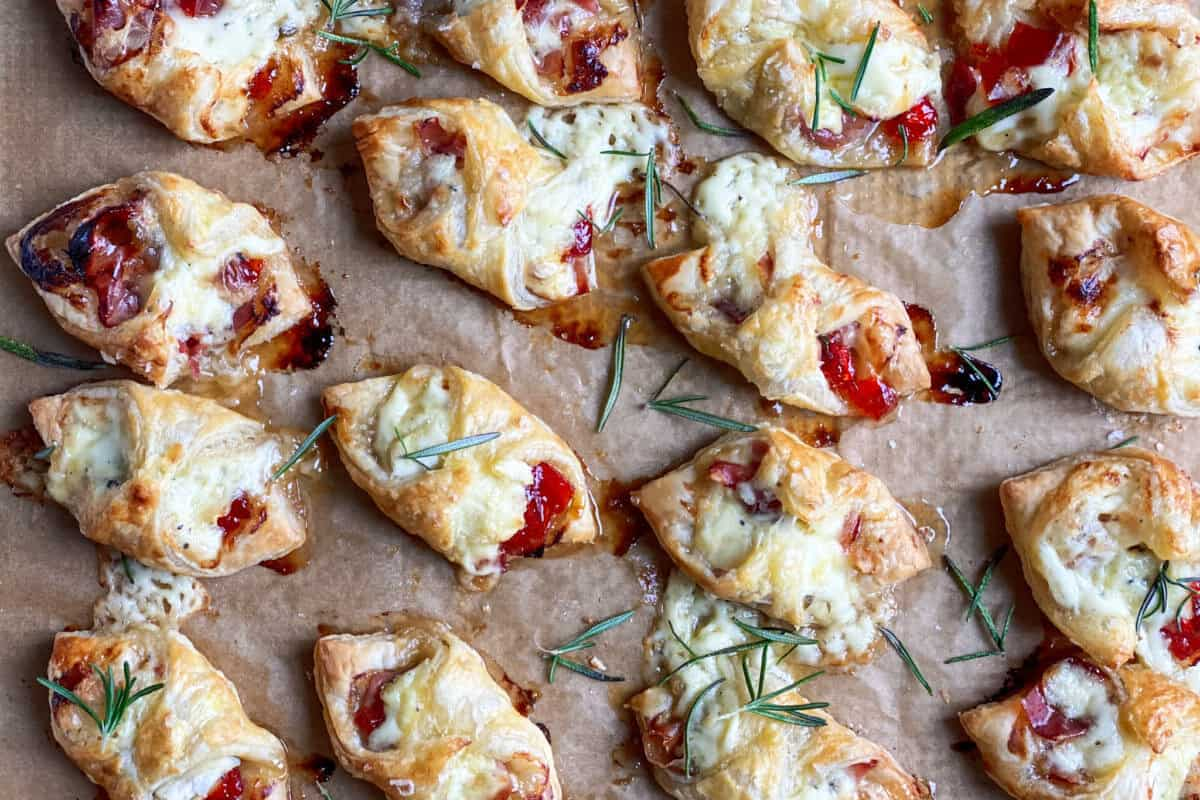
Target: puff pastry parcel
{"points": [[1137, 115], [1093, 532], [756, 296], [479, 506], [177, 482], [765, 520], [215, 70], [744, 756], [1111, 287], [417, 713], [191, 740], [456, 185], [553, 52], [1083, 731], [787, 70], [164, 276]]}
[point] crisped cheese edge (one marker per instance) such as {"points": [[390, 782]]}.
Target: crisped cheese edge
{"points": [[138, 594]]}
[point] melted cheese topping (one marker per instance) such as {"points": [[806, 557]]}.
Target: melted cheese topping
{"points": [[198, 782], [588, 182], [546, 35], [1078, 694], [415, 415], [93, 456], [243, 32]]}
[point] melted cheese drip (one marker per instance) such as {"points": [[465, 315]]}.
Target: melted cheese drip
{"points": [[243, 33], [198, 782], [1079, 695], [93, 456], [589, 180]]}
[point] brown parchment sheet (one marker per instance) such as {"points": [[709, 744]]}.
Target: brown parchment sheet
{"points": [[61, 134]]}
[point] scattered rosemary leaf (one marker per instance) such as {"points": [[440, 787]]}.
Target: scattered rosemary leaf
{"points": [[1008, 618], [45, 358], [841, 101], [969, 589], [675, 408], [973, 656], [906, 657], [670, 378], [1093, 37], [391, 52], [1126, 441], [679, 639], [816, 117], [125, 566], [707, 127], [587, 672], [542, 143], [724, 651], [682, 198], [904, 142], [989, 117], [862, 64], [687, 725], [829, 177], [988, 570], [325, 795], [608, 226], [969, 360], [449, 447], [585, 641], [339, 10], [988, 344], [117, 700], [45, 453], [778, 635], [618, 371], [305, 446], [926, 17]]}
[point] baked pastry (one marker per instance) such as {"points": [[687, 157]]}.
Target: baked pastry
{"points": [[743, 756], [456, 185], [216, 70], [189, 740], [164, 276], [1094, 532], [1084, 731], [764, 520], [1112, 291], [1135, 116], [553, 52], [175, 481], [788, 72], [756, 296], [417, 713], [479, 506]]}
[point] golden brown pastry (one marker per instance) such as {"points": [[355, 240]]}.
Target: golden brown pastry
{"points": [[1084, 731], [745, 756], [479, 506], [175, 481], [189, 740], [1136, 116], [416, 712], [553, 52], [215, 70], [756, 296], [763, 60], [765, 520], [1094, 532], [1111, 287], [164, 276], [456, 185]]}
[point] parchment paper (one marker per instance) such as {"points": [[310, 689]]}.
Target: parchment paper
{"points": [[61, 134]]}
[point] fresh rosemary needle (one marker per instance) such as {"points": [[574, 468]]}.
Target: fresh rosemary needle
{"points": [[861, 72], [391, 52], [969, 360], [926, 17], [988, 570], [542, 143], [117, 699], [989, 117], [1124, 442], [1093, 37], [305, 446], [904, 142], [906, 657], [617, 373], [687, 725], [585, 641], [448, 447], [325, 795], [675, 407], [829, 177], [707, 127], [46, 358], [988, 344], [608, 226]]}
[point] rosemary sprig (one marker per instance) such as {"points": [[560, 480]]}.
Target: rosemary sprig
{"points": [[761, 705], [989, 623], [608, 226], [542, 143], [969, 360], [687, 725], [46, 358], [585, 641], [391, 52], [1157, 593], [1093, 37], [904, 142], [989, 117], [340, 10], [829, 177], [926, 17], [618, 371], [988, 344], [675, 408], [447, 447], [862, 64], [906, 657], [117, 700], [707, 127], [777, 635], [1126, 441], [670, 377], [653, 191], [988, 570], [305, 446]]}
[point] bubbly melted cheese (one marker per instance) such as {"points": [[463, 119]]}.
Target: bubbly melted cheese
{"points": [[198, 782], [243, 33], [93, 456], [587, 184], [1078, 694]]}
